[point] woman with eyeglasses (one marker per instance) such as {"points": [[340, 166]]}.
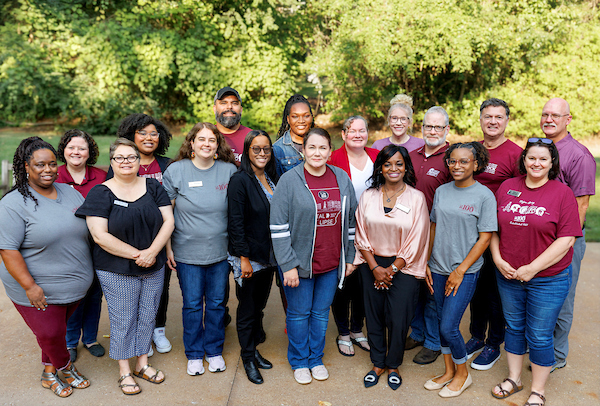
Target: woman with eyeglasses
{"points": [[197, 183], [400, 122], [463, 218], [152, 139], [356, 159], [79, 151], [46, 265], [249, 198], [392, 237], [312, 229], [131, 220], [538, 222]]}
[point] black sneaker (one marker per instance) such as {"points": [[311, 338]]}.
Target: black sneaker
{"points": [[486, 360], [474, 345]]}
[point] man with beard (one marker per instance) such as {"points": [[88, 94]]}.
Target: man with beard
{"points": [[431, 172], [578, 171], [486, 307], [228, 114]]}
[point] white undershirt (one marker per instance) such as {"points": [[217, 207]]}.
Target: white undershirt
{"points": [[360, 178]]}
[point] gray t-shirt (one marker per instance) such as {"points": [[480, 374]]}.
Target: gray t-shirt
{"points": [[53, 242], [200, 236], [460, 215]]}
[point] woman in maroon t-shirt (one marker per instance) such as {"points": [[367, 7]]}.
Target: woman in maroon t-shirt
{"points": [[538, 222]]}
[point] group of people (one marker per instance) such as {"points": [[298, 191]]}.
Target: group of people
{"points": [[400, 237]]}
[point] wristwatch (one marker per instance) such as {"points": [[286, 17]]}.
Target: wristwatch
{"points": [[394, 268]]}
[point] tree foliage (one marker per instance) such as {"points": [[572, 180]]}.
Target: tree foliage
{"points": [[457, 53], [97, 60]]}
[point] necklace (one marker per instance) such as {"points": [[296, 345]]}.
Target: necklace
{"points": [[389, 199]]}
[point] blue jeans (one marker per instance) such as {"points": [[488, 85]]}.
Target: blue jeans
{"points": [[531, 309], [450, 310], [565, 317], [307, 317], [425, 326], [203, 284], [86, 317]]}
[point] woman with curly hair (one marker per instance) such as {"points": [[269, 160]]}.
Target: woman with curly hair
{"points": [[400, 121], [46, 264], [197, 183], [463, 218], [392, 239], [79, 151], [152, 139]]}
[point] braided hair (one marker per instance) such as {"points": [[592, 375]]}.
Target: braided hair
{"points": [[295, 99], [480, 153], [22, 156]]}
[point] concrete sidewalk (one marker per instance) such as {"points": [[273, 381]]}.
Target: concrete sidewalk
{"points": [[577, 383]]}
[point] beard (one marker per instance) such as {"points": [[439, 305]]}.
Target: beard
{"points": [[229, 121], [439, 142]]}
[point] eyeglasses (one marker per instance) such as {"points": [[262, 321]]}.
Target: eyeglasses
{"points": [[256, 150], [120, 159], [461, 162], [542, 140], [554, 116], [437, 128], [395, 119], [144, 134]]}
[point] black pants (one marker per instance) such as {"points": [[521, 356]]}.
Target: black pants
{"points": [[161, 315], [350, 297], [486, 306], [252, 299], [391, 309]]}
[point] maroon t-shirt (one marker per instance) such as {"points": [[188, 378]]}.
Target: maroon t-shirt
{"points": [[529, 220], [151, 171], [504, 164], [236, 142], [431, 172], [328, 242], [93, 176]]}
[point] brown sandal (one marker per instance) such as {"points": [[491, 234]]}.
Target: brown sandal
{"points": [[528, 403], [50, 380], [154, 378], [74, 378], [128, 385], [505, 393]]}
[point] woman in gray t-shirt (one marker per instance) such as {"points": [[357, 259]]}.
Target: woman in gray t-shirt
{"points": [[47, 262], [463, 218]]}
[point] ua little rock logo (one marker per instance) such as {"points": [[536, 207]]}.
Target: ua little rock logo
{"points": [[433, 172], [323, 194]]}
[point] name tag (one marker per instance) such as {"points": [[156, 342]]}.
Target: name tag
{"points": [[514, 193], [402, 207], [120, 203], [197, 183]]}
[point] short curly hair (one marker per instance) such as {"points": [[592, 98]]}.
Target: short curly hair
{"points": [[68, 136], [138, 121], [480, 153]]}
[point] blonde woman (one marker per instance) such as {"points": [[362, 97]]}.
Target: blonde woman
{"points": [[400, 121]]}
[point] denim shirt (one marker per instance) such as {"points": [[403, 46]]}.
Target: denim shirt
{"points": [[286, 155]]}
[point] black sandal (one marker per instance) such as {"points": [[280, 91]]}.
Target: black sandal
{"points": [[505, 393], [528, 403]]}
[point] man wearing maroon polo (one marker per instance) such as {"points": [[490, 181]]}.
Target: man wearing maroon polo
{"points": [[578, 171], [228, 114], [486, 307], [431, 172]]}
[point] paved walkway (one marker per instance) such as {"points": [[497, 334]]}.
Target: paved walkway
{"points": [[577, 383]]}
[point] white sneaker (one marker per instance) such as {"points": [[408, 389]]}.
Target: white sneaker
{"points": [[302, 376], [161, 342], [151, 352], [320, 373], [216, 364], [195, 367]]}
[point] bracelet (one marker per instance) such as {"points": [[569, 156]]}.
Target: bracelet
{"points": [[378, 266]]}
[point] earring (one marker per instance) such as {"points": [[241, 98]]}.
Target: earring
{"points": [[193, 154], [216, 156]]}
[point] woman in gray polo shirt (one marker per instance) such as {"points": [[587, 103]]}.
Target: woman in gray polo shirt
{"points": [[47, 263]]}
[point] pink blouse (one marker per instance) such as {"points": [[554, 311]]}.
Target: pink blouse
{"points": [[403, 232]]}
